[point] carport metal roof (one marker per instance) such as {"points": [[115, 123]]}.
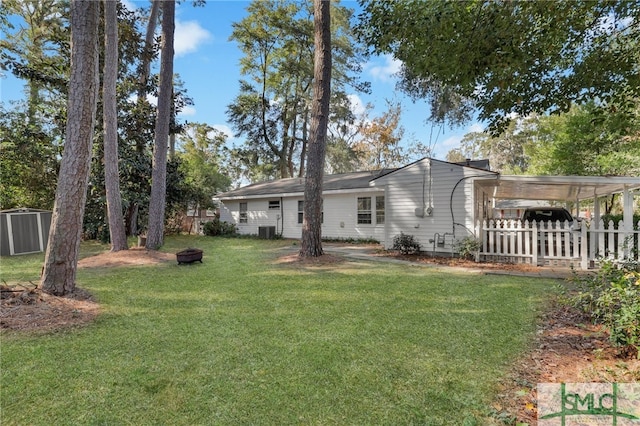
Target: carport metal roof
{"points": [[554, 188]]}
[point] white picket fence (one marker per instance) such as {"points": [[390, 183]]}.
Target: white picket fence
{"points": [[556, 244]]}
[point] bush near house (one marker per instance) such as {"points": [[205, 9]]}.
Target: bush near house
{"points": [[216, 227], [406, 244], [467, 248]]}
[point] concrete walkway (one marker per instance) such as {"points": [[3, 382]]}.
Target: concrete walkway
{"points": [[373, 253]]}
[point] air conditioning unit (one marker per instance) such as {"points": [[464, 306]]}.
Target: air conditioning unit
{"points": [[266, 232]]}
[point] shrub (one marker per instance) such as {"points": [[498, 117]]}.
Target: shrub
{"points": [[612, 298], [467, 247], [406, 244], [217, 227]]}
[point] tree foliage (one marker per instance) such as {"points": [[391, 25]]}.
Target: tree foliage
{"points": [[379, 146], [586, 141], [201, 154], [505, 152], [273, 109], [505, 58]]}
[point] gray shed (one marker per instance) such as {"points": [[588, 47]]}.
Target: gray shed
{"points": [[24, 231]]}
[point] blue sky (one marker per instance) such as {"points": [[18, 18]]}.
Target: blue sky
{"points": [[207, 63]]}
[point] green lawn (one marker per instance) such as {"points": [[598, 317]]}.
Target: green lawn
{"points": [[242, 340]]}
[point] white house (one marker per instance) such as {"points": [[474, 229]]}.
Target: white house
{"points": [[440, 203], [430, 199]]}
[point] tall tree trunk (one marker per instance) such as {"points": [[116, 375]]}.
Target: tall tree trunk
{"points": [[61, 258], [155, 233], [311, 244], [117, 230], [147, 54]]}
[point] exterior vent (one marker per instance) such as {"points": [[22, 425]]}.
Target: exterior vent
{"points": [[267, 232]]}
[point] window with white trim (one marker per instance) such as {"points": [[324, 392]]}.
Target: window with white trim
{"points": [[380, 209], [243, 213], [274, 204], [300, 211], [364, 210]]}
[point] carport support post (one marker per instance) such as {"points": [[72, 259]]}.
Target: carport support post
{"points": [[534, 245], [627, 201], [595, 226]]}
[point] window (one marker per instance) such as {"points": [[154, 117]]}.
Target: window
{"points": [[364, 210], [243, 213], [274, 205], [300, 211], [380, 209]]}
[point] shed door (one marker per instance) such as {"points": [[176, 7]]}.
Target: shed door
{"points": [[25, 230]]}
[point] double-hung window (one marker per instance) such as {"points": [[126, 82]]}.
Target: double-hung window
{"points": [[300, 211], [243, 213], [364, 210], [380, 209], [367, 210]]}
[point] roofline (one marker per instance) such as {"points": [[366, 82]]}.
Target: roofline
{"points": [[432, 159], [298, 194], [623, 180]]}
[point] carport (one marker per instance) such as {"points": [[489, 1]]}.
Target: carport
{"points": [[511, 239]]}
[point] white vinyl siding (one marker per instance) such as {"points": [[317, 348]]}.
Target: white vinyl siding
{"points": [[339, 216], [447, 188]]}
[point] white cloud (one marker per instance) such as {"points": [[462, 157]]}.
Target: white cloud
{"points": [[475, 128], [188, 110], [224, 129], [452, 141], [357, 106], [129, 5], [189, 35], [386, 70], [153, 100]]}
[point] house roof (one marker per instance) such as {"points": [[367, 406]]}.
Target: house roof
{"points": [[482, 165], [295, 186], [24, 210]]}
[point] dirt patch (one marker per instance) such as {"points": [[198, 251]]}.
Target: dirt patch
{"points": [[458, 262], [569, 349], [24, 307], [133, 256], [294, 259]]}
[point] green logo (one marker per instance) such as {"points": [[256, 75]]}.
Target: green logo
{"points": [[586, 400]]}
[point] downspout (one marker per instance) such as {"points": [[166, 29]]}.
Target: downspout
{"points": [[281, 217], [453, 219]]}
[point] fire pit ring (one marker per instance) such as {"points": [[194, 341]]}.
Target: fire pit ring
{"points": [[189, 255]]}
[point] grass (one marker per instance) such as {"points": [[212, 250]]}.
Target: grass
{"points": [[242, 340]]}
